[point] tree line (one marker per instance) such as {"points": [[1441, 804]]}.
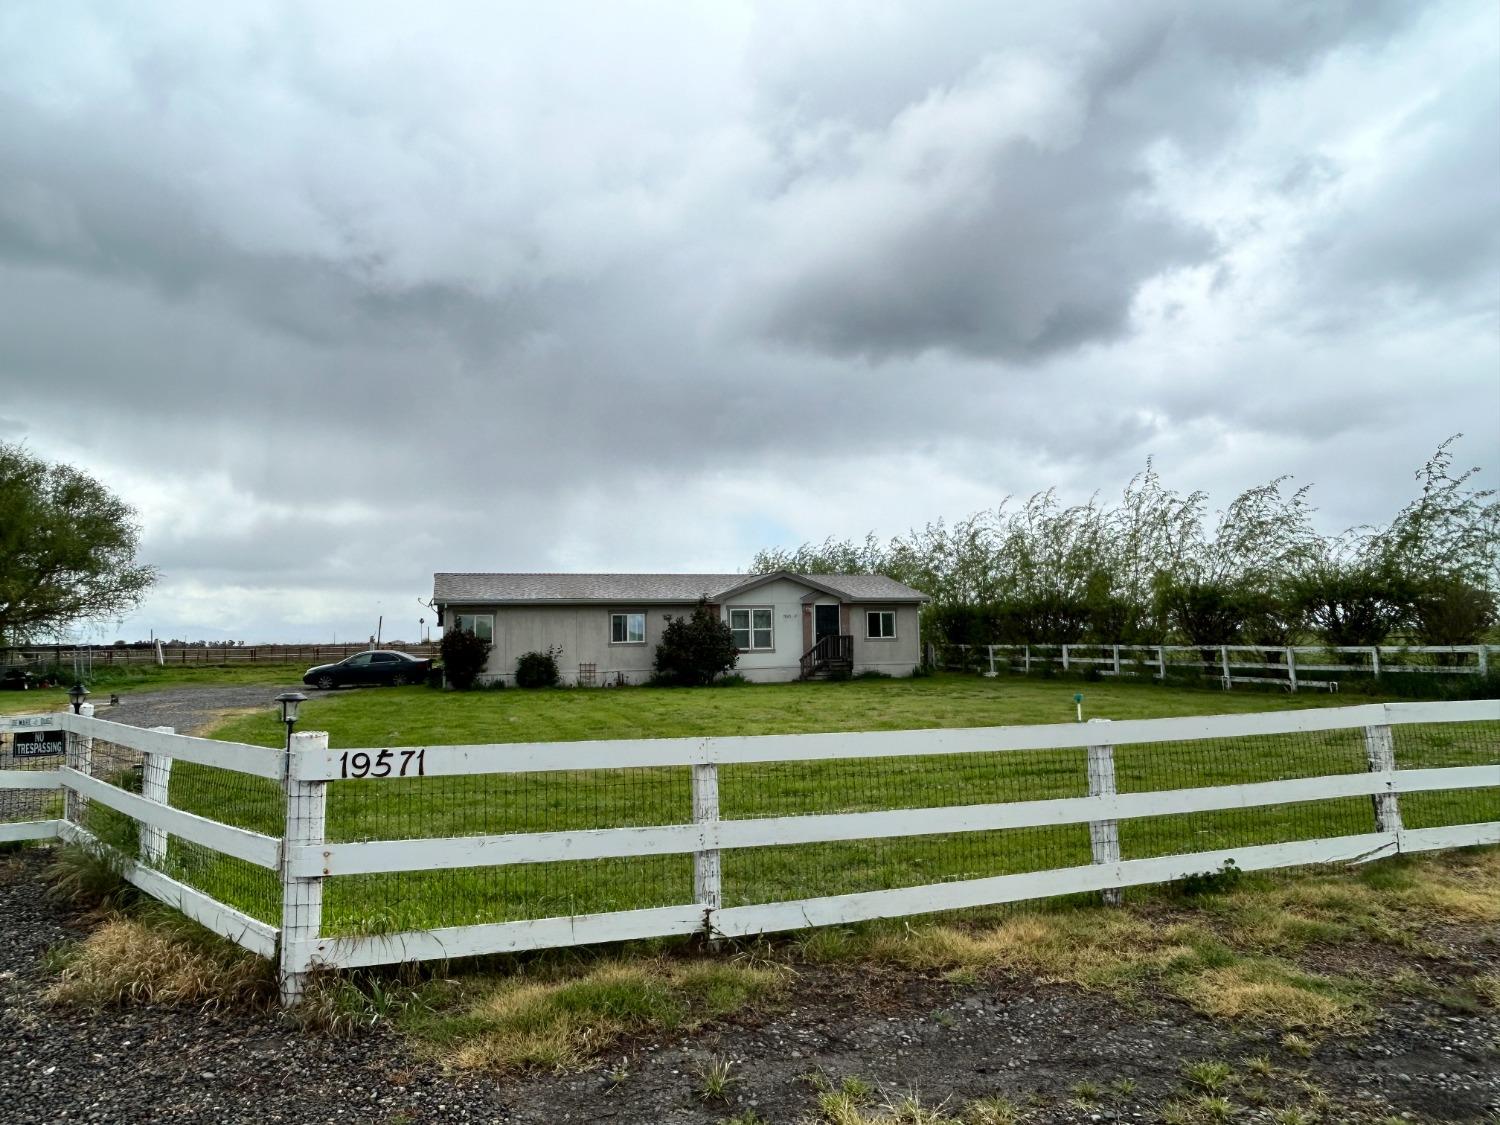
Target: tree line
{"points": [[1158, 567]]}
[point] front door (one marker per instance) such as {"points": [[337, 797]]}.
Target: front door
{"points": [[825, 622]]}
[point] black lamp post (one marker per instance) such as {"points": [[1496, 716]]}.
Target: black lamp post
{"points": [[76, 695], [290, 702]]}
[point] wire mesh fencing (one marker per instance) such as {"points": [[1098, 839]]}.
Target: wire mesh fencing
{"points": [[26, 750], [376, 850], [583, 801], [220, 795], [1447, 746], [504, 803]]}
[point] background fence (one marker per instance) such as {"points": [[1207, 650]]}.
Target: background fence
{"points": [[108, 655], [348, 857], [1294, 667]]}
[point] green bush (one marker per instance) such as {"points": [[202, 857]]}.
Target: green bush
{"points": [[1219, 882], [1352, 604], [464, 656], [538, 669], [694, 651], [1452, 611]]}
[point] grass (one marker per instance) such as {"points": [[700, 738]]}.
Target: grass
{"points": [[715, 1079], [557, 1017], [436, 807], [152, 959], [1119, 952], [414, 716]]}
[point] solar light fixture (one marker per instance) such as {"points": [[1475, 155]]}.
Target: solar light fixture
{"points": [[291, 702], [76, 695]]}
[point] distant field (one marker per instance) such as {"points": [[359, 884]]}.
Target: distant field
{"points": [[433, 807]]}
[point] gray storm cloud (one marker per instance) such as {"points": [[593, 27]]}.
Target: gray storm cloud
{"points": [[339, 298]]}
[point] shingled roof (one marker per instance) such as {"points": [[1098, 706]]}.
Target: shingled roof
{"points": [[487, 589]]}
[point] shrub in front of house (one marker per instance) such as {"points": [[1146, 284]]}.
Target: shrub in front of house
{"points": [[538, 669], [695, 651], [464, 655]]}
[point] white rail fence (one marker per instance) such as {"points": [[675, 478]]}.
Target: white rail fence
{"points": [[303, 859], [1293, 667]]}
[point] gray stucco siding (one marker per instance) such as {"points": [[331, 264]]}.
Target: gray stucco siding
{"points": [[896, 656], [582, 632]]}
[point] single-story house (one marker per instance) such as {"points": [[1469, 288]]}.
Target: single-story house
{"points": [[787, 626]]}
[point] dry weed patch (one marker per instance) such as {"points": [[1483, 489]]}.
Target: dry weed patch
{"points": [[1094, 948], [1487, 985], [128, 961], [1270, 992], [555, 1023]]}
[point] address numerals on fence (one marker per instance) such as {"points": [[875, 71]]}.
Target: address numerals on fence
{"points": [[363, 764]]}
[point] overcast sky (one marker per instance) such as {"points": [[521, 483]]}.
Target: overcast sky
{"points": [[338, 295]]}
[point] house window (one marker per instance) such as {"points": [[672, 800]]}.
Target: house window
{"points": [[482, 625], [752, 629], [627, 628], [880, 624]]}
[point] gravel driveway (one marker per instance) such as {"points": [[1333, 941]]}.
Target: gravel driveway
{"points": [[186, 710]]}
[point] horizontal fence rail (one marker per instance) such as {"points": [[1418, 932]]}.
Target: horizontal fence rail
{"points": [[334, 857], [1292, 667]]}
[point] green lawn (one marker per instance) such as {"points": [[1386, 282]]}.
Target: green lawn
{"points": [[431, 807]]}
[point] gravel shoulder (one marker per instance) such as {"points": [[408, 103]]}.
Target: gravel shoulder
{"points": [[187, 710], [903, 1032]]}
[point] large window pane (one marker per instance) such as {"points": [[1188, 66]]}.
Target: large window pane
{"points": [[480, 624]]}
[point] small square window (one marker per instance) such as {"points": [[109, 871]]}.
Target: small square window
{"points": [[627, 628], [880, 624]]}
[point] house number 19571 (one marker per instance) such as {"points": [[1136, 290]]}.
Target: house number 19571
{"points": [[362, 764]]}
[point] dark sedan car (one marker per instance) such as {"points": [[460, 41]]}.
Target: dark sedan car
{"points": [[375, 666]]}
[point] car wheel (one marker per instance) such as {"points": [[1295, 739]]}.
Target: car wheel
{"points": [[398, 680], [326, 682]]}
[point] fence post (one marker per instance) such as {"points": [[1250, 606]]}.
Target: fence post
{"points": [[707, 873], [80, 757], [156, 777], [1224, 659], [1161, 663], [1065, 657], [991, 650], [301, 899], [1380, 754], [1117, 660], [1375, 660], [1291, 667], [1104, 835]]}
